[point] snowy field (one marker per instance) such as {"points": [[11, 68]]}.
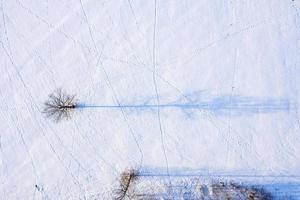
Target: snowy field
{"points": [[165, 86]]}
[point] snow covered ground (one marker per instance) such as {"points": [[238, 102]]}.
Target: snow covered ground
{"points": [[232, 68]]}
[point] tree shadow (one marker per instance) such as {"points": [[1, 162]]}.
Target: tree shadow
{"points": [[222, 105], [193, 186]]}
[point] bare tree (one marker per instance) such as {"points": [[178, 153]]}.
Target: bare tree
{"points": [[59, 105], [127, 178]]}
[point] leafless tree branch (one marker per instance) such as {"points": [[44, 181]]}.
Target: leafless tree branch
{"points": [[127, 178], [59, 106]]}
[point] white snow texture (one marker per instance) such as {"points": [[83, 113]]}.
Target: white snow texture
{"points": [[223, 79]]}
